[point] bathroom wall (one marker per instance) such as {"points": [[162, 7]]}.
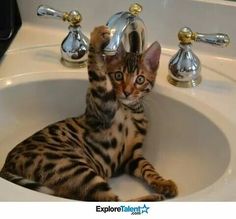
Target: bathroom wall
{"points": [[163, 18]]}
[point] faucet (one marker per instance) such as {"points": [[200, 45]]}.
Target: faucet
{"points": [[127, 28], [185, 66], [74, 47]]}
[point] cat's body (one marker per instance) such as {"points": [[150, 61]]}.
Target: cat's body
{"points": [[74, 158]]}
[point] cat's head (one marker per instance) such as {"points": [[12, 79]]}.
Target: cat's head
{"points": [[133, 76]]}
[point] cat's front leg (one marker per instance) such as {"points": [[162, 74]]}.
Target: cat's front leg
{"points": [[101, 98], [141, 168], [99, 38]]}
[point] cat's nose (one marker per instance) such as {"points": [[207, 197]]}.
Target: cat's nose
{"points": [[127, 93]]}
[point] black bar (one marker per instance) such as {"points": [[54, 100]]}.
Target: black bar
{"points": [[10, 22]]}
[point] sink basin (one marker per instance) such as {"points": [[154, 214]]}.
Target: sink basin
{"points": [[183, 143]]}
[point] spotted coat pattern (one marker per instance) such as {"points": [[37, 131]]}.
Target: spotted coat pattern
{"points": [[74, 158]]}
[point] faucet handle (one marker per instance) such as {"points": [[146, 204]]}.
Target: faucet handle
{"points": [[217, 39], [74, 47], [73, 17], [186, 36], [185, 66], [44, 10]]}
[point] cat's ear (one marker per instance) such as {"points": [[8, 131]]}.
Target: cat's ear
{"points": [[151, 57], [118, 57]]}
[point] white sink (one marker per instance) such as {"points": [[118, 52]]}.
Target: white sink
{"points": [[185, 141], [191, 137]]}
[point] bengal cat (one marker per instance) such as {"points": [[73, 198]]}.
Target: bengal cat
{"points": [[74, 158]]}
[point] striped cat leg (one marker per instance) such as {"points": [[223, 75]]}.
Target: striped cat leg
{"points": [[138, 166], [101, 99], [82, 183], [97, 71], [97, 189]]}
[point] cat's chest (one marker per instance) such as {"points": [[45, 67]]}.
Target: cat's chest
{"points": [[129, 127], [124, 132]]}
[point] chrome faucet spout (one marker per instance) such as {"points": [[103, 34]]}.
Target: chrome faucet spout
{"points": [[126, 28]]}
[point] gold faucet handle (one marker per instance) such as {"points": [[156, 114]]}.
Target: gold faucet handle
{"points": [[186, 36], [135, 9]]}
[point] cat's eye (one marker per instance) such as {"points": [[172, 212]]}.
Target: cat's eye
{"points": [[119, 76], [140, 79]]}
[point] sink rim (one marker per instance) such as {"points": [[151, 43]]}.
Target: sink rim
{"points": [[211, 192]]}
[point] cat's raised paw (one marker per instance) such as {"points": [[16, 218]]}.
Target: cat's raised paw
{"points": [[100, 37], [166, 187]]}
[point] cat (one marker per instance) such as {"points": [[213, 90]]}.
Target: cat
{"points": [[74, 158]]}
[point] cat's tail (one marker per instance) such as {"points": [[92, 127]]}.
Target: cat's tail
{"points": [[30, 184]]}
